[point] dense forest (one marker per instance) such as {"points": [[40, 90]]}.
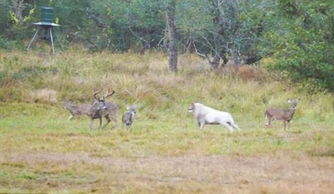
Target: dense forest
{"points": [[296, 35]]}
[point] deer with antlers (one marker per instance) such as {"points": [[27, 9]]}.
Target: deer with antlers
{"points": [[102, 108]]}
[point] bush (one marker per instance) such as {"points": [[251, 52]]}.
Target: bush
{"points": [[7, 44]]}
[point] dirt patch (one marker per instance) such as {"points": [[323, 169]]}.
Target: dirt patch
{"points": [[198, 173]]}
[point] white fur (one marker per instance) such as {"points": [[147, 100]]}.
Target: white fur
{"points": [[206, 115]]}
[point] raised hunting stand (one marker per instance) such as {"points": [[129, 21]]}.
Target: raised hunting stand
{"points": [[46, 24]]}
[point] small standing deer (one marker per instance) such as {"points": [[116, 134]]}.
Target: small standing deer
{"points": [[128, 116], [285, 115], [102, 108], [80, 109]]}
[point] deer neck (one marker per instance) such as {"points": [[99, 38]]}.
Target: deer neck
{"points": [[292, 110]]}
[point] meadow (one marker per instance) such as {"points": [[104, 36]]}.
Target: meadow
{"points": [[165, 151]]}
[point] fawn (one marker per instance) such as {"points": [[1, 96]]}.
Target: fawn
{"points": [[128, 116]]}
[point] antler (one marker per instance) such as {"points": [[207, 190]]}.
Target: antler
{"points": [[95, 93], [108, 94]]}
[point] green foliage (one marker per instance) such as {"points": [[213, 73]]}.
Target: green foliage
{"points": [[304, 46], [299, 35], [8, 44]]}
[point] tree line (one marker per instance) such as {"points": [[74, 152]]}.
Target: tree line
{"points": [[297, 34]]}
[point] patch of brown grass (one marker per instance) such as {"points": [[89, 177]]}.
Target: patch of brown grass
{"points": [[43, 96], [189, 173]]}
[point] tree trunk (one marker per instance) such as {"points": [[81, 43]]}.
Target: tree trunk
{"points": [[215, 62], [172, 51], [18, 7]]}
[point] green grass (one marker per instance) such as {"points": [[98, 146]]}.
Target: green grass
{"points": [[41, 151]]}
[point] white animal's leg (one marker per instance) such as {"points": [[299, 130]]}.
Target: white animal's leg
{"points": [[227, 126], [235, 126], [201, 124]]}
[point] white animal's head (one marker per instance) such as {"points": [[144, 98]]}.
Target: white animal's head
{"points": [[191, 108]]}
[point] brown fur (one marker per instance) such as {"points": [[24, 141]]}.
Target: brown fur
{"points": [[285, 115]]}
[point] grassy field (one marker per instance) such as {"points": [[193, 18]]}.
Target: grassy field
{"points": [[165, 152]]}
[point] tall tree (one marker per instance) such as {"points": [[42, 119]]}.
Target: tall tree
{"points": [[221, 29], [302, 41], [172, 50]]}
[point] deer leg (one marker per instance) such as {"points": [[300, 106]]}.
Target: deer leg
{"points": [[269, 122], [100, 123], [108, 121], [115, 121], [91, 124], [284, 122]]}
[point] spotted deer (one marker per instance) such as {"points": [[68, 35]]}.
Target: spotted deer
{"points": [[284, 115]]}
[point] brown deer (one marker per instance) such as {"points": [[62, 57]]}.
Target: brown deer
{"points": [[285, 115], [102, 108]]}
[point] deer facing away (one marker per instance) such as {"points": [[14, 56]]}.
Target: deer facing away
{"points": [[128, 116], [285, 115], [80, 109], [102, 108]]}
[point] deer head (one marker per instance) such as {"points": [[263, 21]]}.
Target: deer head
{"points": [[99, 103]]}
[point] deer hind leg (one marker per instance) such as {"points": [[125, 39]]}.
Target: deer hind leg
{"points": [[91, 124], [108, 121], [114, 119]]}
